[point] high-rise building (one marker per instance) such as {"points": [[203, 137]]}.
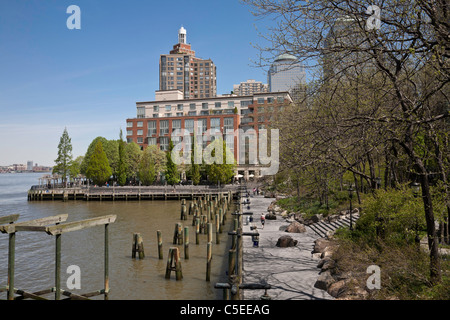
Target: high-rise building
{"points": [[250, 87], [182, 70], [286, 74]]}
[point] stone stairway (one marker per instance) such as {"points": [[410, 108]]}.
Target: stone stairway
{"points": [[325, 226]]}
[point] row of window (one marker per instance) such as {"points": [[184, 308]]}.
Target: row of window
{"points": [[189, 124]]}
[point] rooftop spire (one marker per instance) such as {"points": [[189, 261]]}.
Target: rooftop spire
{"points": [[182, 35]]}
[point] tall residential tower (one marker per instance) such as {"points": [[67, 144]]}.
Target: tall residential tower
{"points": [[182, 70]]}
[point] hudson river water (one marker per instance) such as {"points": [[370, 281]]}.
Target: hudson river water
{"points": [[130, 279]]}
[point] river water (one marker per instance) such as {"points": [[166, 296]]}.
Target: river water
{"points": [[130, 279]]}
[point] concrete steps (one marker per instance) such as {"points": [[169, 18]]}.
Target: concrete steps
{"points": [[322, 227]]}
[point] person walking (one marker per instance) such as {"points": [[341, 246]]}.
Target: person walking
{"points": [[263, 220]]}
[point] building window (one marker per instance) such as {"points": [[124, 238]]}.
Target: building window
{"points": [[163, 127], [260, 109], [192, 106], [246, 103], [230, 104], [151, 141], [260, 100], [189, 125], [192, 113], [270, 100], [141, 112], [129, 132], [140, 132], [155, 108], [140, 124], [176, 124], [180, 107], [215, 124], [205, 105], [164, 143], [152, 128], [140, 140], [129, 124], [218, 104], [280, 99], [202, 126]]}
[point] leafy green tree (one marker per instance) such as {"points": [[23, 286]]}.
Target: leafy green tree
{"points": [[172, 175], [98, 169], [121, 168], [132, 158], [220, 171], [89, 152], [64, 159], [75, 165], [146, 171], [194, 172]]}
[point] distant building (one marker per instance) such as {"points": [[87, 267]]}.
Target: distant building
{"points": [[29, 165], [182, 70], [250, 87], [286, 74]]}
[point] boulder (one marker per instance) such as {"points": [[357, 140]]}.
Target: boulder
{"points": [[324, 280], [320, 245], [316, 218], [296, 227], [338, 288], [286, 241], [271, 216]]}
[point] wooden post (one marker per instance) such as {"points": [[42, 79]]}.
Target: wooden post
{"points": [[178, 234], [205, 223], [174, 264], [58, 267], [197, 230], [217, 229], [186, 242], [106, 271], [11, 258], [159, 238], [209, 232], [231, 262], [138, 246], [208, 261]]}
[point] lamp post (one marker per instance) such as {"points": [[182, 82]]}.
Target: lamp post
{"points": [[416, 189], [350, 195]]}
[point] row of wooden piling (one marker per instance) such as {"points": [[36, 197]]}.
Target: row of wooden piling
{"points": [[208, 213]]}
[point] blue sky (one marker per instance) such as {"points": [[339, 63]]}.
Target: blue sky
{"points": [[89, 80]]}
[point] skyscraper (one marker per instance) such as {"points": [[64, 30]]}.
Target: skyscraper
{"points": [[285, 74], [182, 70]]}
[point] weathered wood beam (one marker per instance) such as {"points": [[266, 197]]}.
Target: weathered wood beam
{"points": [[9, 219], [33, 225], [79, 225]]}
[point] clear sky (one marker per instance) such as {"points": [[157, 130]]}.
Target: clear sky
{"points": [[89, 80]]}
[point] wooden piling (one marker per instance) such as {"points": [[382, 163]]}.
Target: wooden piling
{"points": [[138, 246], [217, 229], [174, 264], [178, 234], [159, 238], [186, 242], [208, 261], [197, 231], [209, 239]]}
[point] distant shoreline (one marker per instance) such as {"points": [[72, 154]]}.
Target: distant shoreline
{"points": [[14, 172]]}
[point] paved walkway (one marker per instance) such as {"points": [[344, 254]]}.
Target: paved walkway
{"points": [[291, 272]]}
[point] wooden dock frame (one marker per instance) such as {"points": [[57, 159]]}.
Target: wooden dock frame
{"points": [[54, 226]]}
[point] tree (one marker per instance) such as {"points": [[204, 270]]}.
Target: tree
{"points": [[64, 159], [171, 173], [146, 171], [121, 168], [98, 169], [75, 166], [194, 171], [90, 151], [132, 158], [220, 170]]}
